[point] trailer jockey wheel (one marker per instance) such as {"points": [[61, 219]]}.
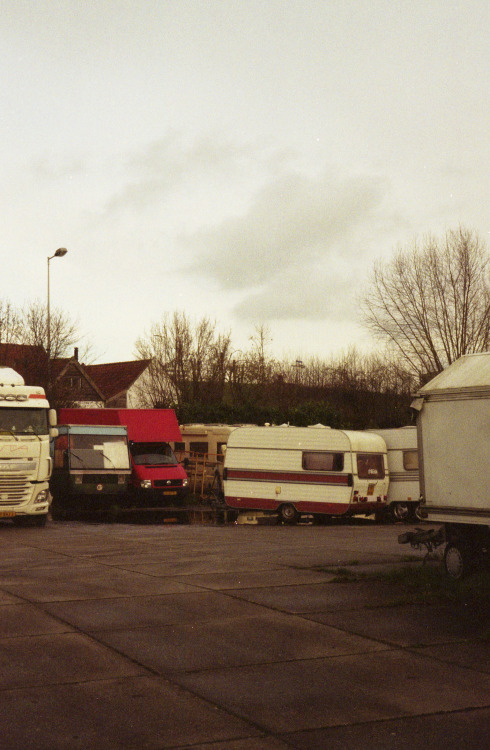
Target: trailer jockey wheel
{"points": [[457, 560], [288, 514]]}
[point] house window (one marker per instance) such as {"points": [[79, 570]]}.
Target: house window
{"points": [[323, 461]]}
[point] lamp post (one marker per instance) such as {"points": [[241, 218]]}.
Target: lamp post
{"points": [[58, 254]]}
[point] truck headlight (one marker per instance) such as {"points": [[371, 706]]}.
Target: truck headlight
{"points": [[41, 497], [145, 484], [185, 482]]}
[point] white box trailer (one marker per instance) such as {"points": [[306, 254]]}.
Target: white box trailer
{"points": [[453, 423], [403, 466], [305, 470]]}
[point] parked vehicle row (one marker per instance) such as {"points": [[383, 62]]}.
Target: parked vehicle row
{"points": [[117, 457], [100, 455]]}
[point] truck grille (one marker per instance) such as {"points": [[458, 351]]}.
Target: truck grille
{"points": [[99, 479], [14, 490]]}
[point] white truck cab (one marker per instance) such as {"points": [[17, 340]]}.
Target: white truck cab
{"points": [[26, 426]]}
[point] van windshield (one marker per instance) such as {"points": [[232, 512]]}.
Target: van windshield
{"points": [[98, 452], [24, 421], [152, 454]]}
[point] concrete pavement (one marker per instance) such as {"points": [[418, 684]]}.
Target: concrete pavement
{"points": [[229, 638]]}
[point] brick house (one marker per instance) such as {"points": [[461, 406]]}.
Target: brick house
{"points": [[108, 385]]}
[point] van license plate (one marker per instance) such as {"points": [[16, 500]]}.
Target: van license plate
{"points": [[6, 514], [170, 492]]}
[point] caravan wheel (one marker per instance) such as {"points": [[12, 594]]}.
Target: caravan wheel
{"points": [[288, 514], [401, 511]]}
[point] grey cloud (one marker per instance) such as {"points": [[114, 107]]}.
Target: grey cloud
{"points": [[169, 164], [295, 224], [307, 296]]}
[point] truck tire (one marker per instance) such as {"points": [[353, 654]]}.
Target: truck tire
{"points": [[288, 514], [458, 560]]}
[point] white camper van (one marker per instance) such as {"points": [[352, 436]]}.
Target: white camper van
{"points": [[403, 466], [305, 470], [453, 423]]}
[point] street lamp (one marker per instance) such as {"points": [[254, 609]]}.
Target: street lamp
{"points": [[58, 254]]}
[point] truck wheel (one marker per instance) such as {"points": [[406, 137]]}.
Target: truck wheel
{"points": [[457, 561], [401, 511], [288, 514]]}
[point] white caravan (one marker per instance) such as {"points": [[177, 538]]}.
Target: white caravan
{"points": [[305, 470], [403, 465], [453, 423], [26, 425]]}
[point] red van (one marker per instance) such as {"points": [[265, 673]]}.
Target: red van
{"points": [[157, 478]]}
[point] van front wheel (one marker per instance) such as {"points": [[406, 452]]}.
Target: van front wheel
{"points": [[288, 514]]}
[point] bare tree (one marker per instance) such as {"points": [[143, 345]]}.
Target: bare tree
{"points": [[10, 323], [431, 302], [188, 362], [63, 332]]}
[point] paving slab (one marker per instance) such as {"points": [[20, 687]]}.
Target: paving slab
{"points": [[226, 638], [323, 597], [268, 638], [262, 578], [256, 743], [65, 657], [27, 619], [409, 624], [300, 695], [129, 714], [144, 612], [70, 582], [465, 730], [8, 599], [473, 654]]}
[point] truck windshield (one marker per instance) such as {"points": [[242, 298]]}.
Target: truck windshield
{"points": [[24, 421], [152, 454], [98, 452]]}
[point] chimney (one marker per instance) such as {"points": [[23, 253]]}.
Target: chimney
{"points": [[75, 353]]}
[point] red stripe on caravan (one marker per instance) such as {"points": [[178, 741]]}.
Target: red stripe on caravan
{"points": [[262, 503], [288, 476]]}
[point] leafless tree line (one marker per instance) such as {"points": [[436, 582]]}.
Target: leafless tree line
{"points": [[29, 325]]}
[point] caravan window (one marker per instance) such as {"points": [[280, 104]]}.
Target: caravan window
{"points": [[410, 460], [370, 466], [198, 447], [323, 461]]}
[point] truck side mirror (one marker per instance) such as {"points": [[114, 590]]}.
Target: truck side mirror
{"points": [[52, 418]]}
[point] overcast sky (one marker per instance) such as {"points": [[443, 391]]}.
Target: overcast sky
{"points": [[247, 160]]}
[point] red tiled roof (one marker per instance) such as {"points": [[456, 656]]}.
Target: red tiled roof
{"points": [[116, 377]]}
